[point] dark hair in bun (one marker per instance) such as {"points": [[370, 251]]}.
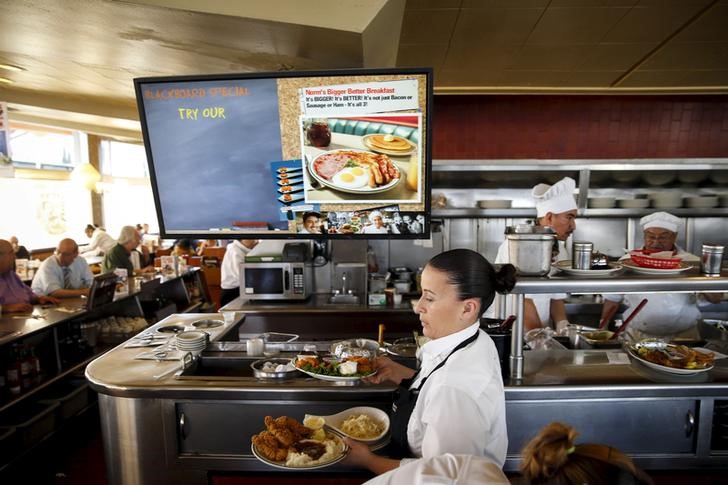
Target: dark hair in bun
{"points": [[474, 276]]}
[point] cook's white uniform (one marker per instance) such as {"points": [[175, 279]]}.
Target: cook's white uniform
{"points": [[664, 314], [542, 302], [461, 407]]}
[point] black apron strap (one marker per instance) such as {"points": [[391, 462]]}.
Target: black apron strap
{"points": [[404, 403]]}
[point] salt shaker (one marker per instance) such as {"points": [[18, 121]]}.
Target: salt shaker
{"points": [[582, 257], [711, 259]]}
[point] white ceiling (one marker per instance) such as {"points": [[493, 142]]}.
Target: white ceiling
{"points": [[79, 56]]}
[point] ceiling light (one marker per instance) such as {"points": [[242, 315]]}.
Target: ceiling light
{"points": [[10, 67], [86, 175], [6, 81]]}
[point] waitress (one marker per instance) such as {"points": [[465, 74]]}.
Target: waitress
{"points": [[455, 402]]}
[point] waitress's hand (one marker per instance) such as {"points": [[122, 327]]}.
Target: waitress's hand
{"points": [[360, 456], [389, 370]]}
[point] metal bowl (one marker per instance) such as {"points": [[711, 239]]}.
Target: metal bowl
{"points": [[207, 323], [360, 347], [171, 329], [258, 371], [403, 347]]}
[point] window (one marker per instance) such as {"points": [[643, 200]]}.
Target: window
{"points": [[44, 148], [123, 159], [128, 198]]}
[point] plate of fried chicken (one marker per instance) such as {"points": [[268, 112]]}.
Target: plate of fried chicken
{"points": [[288, 444]]}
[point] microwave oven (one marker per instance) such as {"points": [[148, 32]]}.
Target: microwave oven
{"points": [[275, 281]]}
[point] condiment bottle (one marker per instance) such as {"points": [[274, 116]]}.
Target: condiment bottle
{"points": [[582, 257]]}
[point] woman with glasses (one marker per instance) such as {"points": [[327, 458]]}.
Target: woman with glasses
{"points": [[665, 315]]}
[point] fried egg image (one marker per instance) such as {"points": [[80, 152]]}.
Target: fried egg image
{"points": [[351, 178]]}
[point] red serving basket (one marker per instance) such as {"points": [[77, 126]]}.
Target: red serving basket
{"points": [[643, 258]]}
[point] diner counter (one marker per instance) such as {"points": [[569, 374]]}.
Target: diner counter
{"points": [[205, 424], [14, 326], [318, 303]]}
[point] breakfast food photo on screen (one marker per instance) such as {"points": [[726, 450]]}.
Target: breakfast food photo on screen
{"points": [[363, 159]]}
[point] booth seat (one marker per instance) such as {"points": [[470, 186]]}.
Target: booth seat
{"points": [[361, 128]]}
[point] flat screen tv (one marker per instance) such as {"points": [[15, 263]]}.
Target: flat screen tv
{"points": [[335, 154]]}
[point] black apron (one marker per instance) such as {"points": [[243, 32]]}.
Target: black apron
{"points": [[404, 403]]}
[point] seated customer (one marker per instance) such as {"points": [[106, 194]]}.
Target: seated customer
{"points": [[183, 247], [63, 275], [551, 457], [20, 251], [15, 296], [120, 255]]}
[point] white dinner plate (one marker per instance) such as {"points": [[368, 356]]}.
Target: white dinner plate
{"points": [[664, 368], [565, 266], [283, 466], [325, 377], [361, 190], [628, 263]]}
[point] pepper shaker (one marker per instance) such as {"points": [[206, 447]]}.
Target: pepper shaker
{"points": [[711, 259]]}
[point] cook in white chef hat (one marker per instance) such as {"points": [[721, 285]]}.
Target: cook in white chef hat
{"points": [[555, 198], [663, 220]]}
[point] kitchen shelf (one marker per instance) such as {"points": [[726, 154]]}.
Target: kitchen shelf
{"points": [[572, 165], [616, 212]]}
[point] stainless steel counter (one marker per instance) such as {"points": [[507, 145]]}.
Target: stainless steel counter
{"points": [[626, 282], [315, 304]]}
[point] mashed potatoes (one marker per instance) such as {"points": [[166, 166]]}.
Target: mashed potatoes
{"points": [[361, 426], [334, 449]]}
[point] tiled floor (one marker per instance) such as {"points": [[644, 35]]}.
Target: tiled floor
{"points": [[73, 456]]}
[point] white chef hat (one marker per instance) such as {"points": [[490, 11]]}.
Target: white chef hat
{"points": [[664, 220], [555, 198], [374, 214]]}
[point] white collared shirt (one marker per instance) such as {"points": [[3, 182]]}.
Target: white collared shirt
{"points": [[100, 244], [230, 268], [444, 469], [461, 407], [49, 276]]}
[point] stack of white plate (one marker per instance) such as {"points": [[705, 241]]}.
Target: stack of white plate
{"points": [[494, 204], [661, 177], [601, 202], [193, 341], [666, 200], [633, 203], [702, 202]]}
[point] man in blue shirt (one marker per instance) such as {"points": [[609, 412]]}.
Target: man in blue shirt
{"points": [[63, 275]]}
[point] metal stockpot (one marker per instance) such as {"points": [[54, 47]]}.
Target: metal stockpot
{"points": [[529, 248]]}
